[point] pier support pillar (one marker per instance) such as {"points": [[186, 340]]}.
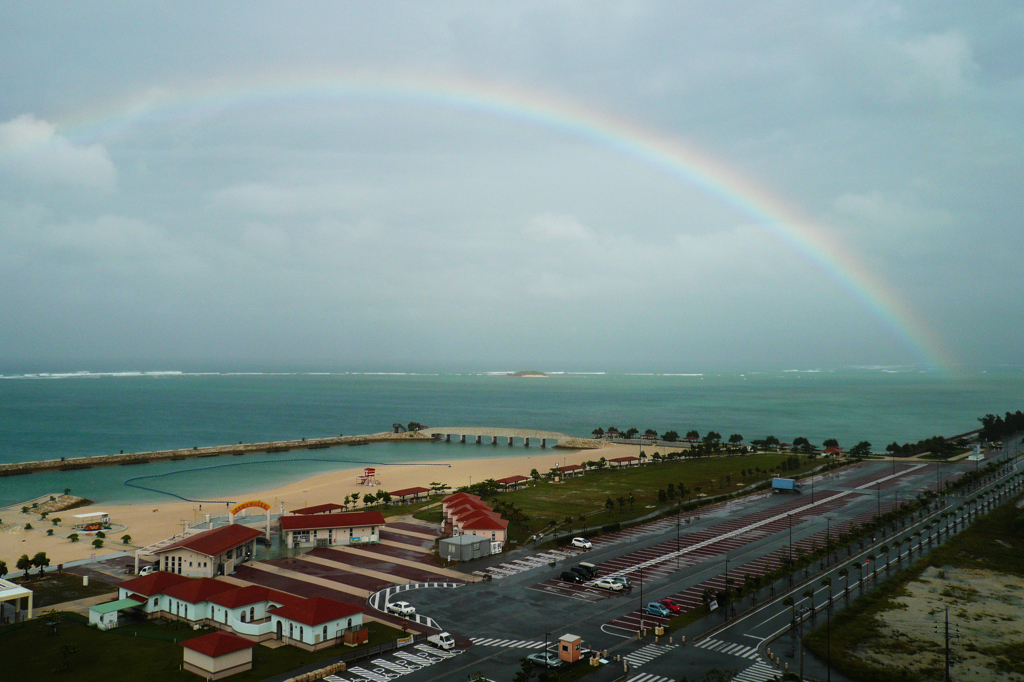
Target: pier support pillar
{"points": [[510, 441], [526, 442], [478, 440], [543, 442], [494, 440], [462, 438], [447, 438]]}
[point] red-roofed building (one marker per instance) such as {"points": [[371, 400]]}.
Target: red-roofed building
{"points": [[624, 462], [150, 589], [210, 553], [410, 495], [494, 528], [217, 655], [513, 482], [326, 530], [571, 470], [190, 601], [458, 499], [316, 623], [328, 508]]}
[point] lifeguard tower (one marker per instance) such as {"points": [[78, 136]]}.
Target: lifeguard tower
{"points": [[369, 477]]}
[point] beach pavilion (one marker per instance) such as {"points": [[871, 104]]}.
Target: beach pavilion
{"points": [[18, 597], [571, 470], [513, 482], [410, 495], [624, 462], [327, 508]]}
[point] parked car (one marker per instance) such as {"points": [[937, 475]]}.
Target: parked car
{"points": [[571, 577], [582, 543], [608, 584], [623, 580], [671, 605], [546, 659], [656, 609], [402, 608], [581, 573]]}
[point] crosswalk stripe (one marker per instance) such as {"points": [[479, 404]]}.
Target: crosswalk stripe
{"points": [[759, 672]]}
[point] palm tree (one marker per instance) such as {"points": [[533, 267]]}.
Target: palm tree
{"points": [[860, 576], [809, 594], [845, 575], [874, 567], [788, 601], [928, 534], [827, 582], [885, 548]]}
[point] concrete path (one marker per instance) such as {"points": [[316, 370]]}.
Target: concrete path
{"points": [[295, 575], [425, 535], [404, 562], [355, 569], [80, 606], [402, 545]]}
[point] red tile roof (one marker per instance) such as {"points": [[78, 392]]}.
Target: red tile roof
{"points": [[570, 467], [138, 597], [485, 523], [408, 491], [317, 611], [198, 590], [512, 479], [630, 458], [217, 644], [469, 515], [252, 594], [308, 522], [154, 583], [460, 496], [215, 542], [319, 509]]}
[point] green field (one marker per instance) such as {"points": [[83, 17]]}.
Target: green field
{"points": [[150, 651], [543, 502]]}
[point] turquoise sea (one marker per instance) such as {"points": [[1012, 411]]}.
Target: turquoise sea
{"points": [[46, 416]]}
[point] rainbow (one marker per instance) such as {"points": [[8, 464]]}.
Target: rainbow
{"points": [[665, 154]]}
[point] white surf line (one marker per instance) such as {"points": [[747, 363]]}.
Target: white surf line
{"points": [[747, 529]]}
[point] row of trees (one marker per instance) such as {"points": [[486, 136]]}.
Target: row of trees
{"points": [[936, 445], [713, 437], [995, 428]]}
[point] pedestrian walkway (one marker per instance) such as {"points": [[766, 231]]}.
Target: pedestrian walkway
{"points": [[507, 643], [647, 654], [759, 672], [647, 677], [730, 648]]}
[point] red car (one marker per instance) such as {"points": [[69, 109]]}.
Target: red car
{"points": [[671, 605]]}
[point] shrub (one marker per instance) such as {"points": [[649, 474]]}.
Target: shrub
{"points": [[97, 543], [28, 526]]}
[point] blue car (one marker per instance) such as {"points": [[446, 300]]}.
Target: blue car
{"points": [[656, 609]]}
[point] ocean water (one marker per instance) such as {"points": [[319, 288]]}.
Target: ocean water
{"points": [[70, 415]]}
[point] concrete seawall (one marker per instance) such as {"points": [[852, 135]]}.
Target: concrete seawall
{"points": [[72, 463]]}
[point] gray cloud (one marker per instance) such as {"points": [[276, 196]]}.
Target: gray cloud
{"points": [[197, 186]]}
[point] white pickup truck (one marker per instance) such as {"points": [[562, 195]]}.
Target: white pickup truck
{"points": [[442, 640]]}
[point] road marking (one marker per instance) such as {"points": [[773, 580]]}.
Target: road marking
{"points": [[648, 677], [759, 672], [507, 643], [647, 653]]}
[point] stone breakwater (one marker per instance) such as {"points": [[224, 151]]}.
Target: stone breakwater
{"points": [[126, 459]]}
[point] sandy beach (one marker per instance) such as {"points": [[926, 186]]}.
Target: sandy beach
{"points": [[150, 522]]}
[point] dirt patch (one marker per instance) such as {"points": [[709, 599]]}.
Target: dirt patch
{"points": [[984, 609]]}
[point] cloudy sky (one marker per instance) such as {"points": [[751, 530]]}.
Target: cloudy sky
{"points": [[653, 186]]}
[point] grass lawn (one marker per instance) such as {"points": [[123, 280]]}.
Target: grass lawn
{"points": [[52, 588], [146, 651], [586, 496]]}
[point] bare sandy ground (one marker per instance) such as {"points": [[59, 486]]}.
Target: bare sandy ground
{"points": [[984, 608], [153, 521]]}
